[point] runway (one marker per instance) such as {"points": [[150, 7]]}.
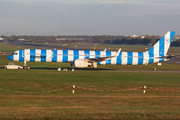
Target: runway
{"points": [[136, 71]]}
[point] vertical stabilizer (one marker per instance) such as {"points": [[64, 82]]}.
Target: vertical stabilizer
{"points": [[162, 46]]}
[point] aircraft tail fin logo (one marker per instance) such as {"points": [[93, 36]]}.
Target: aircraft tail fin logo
{"points": [[162, 46]]}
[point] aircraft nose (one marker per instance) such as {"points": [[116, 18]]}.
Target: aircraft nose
{"points": [[10, 57]]}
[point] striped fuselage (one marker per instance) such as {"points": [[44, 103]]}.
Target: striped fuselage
{"points": [[124, 58]]}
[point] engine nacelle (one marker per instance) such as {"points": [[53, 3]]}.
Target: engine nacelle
{"points": [[81, 63]]}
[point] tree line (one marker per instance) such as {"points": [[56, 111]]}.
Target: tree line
{"points": [[103, 39]]}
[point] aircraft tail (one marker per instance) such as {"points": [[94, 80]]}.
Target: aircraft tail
{"points": [[162, 46]]}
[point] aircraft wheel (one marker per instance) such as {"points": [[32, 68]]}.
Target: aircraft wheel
{"points": [[95, 69]]}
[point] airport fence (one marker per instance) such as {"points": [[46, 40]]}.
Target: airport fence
{"points": [[78, 88]]}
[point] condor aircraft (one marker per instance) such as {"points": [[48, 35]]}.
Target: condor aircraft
{"points": [[89, 58]]}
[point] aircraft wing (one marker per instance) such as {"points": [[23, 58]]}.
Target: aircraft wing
{"points": [[103, 58]]}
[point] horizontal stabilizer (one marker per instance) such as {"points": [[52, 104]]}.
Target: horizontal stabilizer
{"points": [[167, 57]]}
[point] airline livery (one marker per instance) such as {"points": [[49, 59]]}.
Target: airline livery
{"points": [[89, 58]]}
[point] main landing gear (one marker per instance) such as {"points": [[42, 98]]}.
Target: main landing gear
{"points": [[94, 66], [95, 69]]}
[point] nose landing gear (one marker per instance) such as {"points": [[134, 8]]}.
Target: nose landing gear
{"points": [[25, 66]]}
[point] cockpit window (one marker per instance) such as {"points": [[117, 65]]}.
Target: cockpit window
{"points": [[15, 53]]}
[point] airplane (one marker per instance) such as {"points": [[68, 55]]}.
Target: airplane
{"points": [[90, 58]]}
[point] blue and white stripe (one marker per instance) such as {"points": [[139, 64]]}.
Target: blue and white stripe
{"points": [[155, 54], [160, 49], [43, 55], [124, 58]]}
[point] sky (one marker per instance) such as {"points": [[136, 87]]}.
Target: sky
{"points": [[89, 17]]}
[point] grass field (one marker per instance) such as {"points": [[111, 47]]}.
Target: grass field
{"points": [[36, 94]]}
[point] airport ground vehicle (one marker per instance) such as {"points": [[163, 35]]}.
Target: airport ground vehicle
{"points": [[12, 66]]}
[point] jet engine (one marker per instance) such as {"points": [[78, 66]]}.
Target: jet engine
{"points": [[81, 63]]}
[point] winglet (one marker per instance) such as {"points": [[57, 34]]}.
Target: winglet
{"points": [[105, 49], [117, 53]]}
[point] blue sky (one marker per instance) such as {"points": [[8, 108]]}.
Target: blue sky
{"points": [[89, 17]]}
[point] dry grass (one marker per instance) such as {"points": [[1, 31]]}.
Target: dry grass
{"points": [[90, 106]]}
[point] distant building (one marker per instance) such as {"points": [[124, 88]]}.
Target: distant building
{"points": [[21, 39], [134, 36], [176, 37], [142, 37], [1, 39]]}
